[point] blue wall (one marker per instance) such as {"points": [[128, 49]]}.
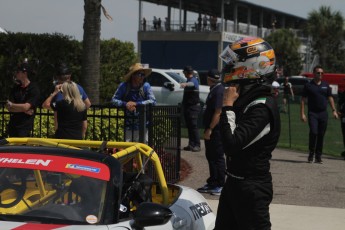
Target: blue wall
{"points": [[201, 55]]}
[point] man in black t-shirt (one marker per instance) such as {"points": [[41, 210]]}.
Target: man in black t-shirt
{"points": [[22, 103]]}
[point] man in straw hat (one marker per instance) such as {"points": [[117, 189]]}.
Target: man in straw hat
{"points": [[134, 92]]}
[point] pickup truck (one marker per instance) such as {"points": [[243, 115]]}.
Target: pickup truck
{"points": [[165, 84]]}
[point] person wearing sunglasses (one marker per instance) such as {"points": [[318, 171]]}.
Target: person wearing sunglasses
{"points": [[318, 93], [131, 93]]}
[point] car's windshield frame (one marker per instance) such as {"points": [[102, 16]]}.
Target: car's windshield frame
{"points": [[40, 191]]}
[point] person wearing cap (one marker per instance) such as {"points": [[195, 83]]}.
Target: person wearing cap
{"points": [[213, 142], [63, 75], [191, 109], [131, 93], [22, 103]]}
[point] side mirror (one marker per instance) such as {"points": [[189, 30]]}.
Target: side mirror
{"points": [[169, 85], [151, 214]]}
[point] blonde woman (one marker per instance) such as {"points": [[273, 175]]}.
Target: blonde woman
{"points": [[71, 112]]}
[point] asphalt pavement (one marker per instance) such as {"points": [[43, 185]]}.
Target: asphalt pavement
{"points": [[306, 196]]}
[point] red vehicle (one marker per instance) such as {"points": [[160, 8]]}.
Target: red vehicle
{"points": [[335, 80]]}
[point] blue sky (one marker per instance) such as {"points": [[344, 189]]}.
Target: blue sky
{"points": [[66, 16]]}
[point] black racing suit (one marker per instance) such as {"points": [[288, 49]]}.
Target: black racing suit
{"points": [[250, 132]]}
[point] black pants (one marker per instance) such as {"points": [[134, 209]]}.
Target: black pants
{"points": [[215, 158], [244, 205], [317, 129], [191, 114], [18, 132]]}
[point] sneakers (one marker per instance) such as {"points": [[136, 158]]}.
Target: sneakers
{"points": [[318, 160], [210, 189], [187, 148], [217, 191], [310, 158], [196, 149], [193, 149], [205, 189]]}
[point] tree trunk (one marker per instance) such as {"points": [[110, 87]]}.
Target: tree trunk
{"points": [[91, 49]]}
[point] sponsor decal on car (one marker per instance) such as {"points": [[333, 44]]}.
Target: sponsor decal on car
{"points": [[57, 163], [200, 210], [24, 161], [83, 167]]}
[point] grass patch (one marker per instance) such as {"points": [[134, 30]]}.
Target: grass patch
{"points": [[295, 133]]}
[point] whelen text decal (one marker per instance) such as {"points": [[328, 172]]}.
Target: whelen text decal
{"points": [[26, 161]]}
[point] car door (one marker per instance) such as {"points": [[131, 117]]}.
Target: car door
{"points": [[165, 89]]}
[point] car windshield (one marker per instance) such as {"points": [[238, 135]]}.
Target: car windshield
{"points": [[177, 77], [71, 189]]}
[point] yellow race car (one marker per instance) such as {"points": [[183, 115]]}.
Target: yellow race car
{"points": [[78, 184]]}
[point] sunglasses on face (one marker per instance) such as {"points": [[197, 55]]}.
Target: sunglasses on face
{"points": [[142, 75]]}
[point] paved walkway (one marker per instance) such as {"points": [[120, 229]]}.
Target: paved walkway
{"points": [[306, 196]]}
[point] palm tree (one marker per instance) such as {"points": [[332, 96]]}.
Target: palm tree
{"points": [[286, 46], [326, 30], [91, 49]]}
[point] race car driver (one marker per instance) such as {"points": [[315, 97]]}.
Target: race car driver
{"points": [[250, 129]]}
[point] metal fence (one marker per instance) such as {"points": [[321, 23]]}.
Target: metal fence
{"points": [[160, 126]]}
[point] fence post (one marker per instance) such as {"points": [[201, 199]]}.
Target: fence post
{"points": [[142, 124], [288, 101]]}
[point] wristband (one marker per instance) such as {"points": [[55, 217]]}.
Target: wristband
{"points": [[227, 108]]}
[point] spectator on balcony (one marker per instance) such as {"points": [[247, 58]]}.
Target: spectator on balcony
{"points": [[159, 24], [213, 22], [22, 103], [70, 111], [167, 24], [198, 28], [144, 24], [155, 22], [131, 93], [204, 22]]}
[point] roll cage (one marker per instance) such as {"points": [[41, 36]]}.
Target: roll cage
{"points": [[80, 149]]}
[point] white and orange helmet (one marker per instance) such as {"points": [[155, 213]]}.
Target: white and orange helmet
{"points": [[246, 59]]}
